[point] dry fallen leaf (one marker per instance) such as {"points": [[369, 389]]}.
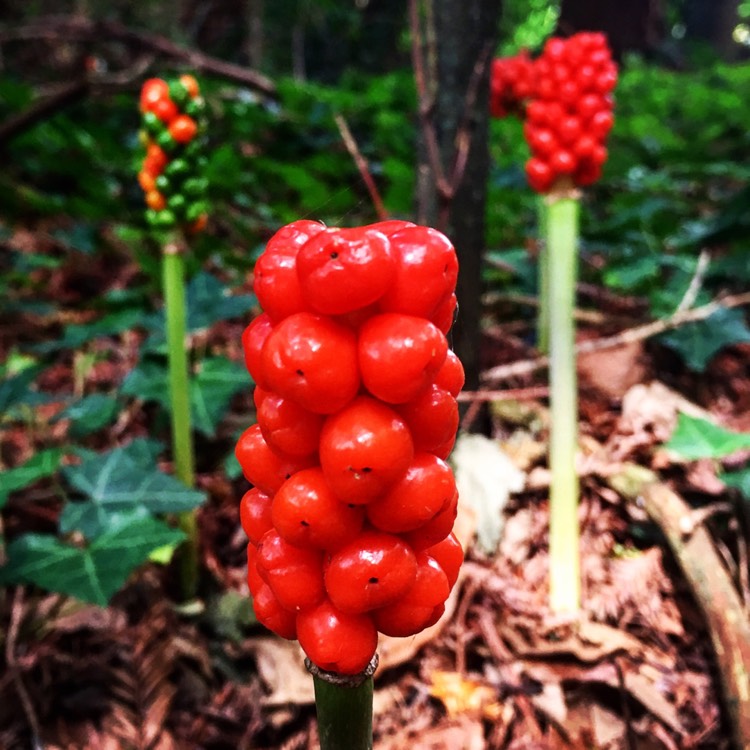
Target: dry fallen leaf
{"points": [[460, 695]]}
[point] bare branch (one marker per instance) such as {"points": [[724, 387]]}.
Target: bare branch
{"points": [[362, 166], [75, 28]]}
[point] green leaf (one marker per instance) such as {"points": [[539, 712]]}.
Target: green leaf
{"points": [[148, 382], [41, 465], [89, 414], [695, 438], [16, 390], [115, 481], [698, 342], [76, 335], [93, 573], [212, 389]]}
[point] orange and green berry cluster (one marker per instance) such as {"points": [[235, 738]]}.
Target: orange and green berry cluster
{"points": [[174, 162]]}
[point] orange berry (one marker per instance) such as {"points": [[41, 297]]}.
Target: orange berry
{"points": [[146, 181], [153, 90], [155, 200], [183, 129], [190, 84]]}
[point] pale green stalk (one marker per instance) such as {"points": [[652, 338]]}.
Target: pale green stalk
{"points": [[562, 249], [542, 319]]}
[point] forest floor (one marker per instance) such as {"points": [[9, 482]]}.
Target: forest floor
{"points": [[499, 671]]}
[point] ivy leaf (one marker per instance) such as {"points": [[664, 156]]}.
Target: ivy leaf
{"points": [[695, 438], [76, 335], [212, 389], [41, 465], [147, 381], [116, 482], [16, 390], [698, 342], [93, 573], [89, 414]]}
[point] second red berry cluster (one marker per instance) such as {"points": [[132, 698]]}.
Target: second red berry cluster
{"points": [[568, 111], [351, 512]]}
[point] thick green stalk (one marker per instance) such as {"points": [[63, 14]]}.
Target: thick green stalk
{"points": [[179, 396], [542, 319], [562, 249], [344, 707]]}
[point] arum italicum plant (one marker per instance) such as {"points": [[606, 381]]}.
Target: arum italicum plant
{"points": [[174, 191], [564, 97], [568, 118], [350, 516]]}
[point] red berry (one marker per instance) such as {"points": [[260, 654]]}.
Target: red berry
{"points": [[432, 417], [450, 557], [369, 572], [166, 110], [272, 615], [287, 427], [426, 269], [261, 466], [183, 128], [418, 607], [451, 376], [308, 514], [336, 641], [364, 449], [539, 174], [290, 238], [253, 339], [313, 361], [255, 514], [426, 488], [152, 91], [295, 574], [399, 355], [562, 162], [254, 581], [436, 529], [341, 270], [276, 285]]}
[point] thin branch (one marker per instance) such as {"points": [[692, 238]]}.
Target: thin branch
{"points": [[74, 28], [630, 336], [362, 166], [691, 293], [515, 394]]}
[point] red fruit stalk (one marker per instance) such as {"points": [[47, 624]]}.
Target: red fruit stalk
{"points": [[351, 512]]}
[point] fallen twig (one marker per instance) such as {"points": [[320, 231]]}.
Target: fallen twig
{"points": [[727, 623], [629, 336]]}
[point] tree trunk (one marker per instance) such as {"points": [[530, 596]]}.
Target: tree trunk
{"points": [[465, 34], [637, 25]]}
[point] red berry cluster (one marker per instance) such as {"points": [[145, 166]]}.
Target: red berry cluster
{"points": [[351, 512], [570, 115], [566, 100], [511, 84]]}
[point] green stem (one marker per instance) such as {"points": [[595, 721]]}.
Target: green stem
{"points": [[344, 707], [562, 248], [179, 395], [542, 320]]}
